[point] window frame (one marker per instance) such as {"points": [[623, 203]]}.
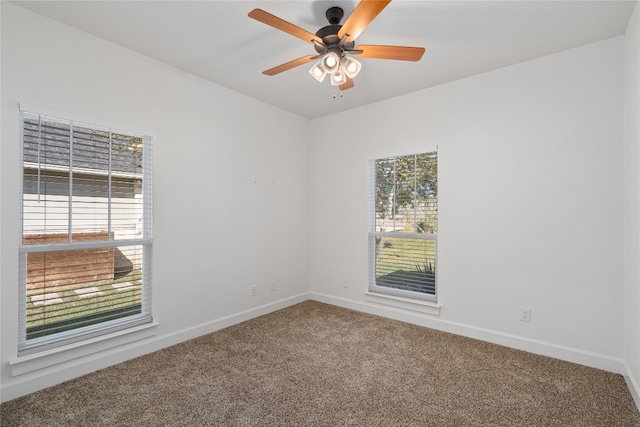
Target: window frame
{"points": [[377, 293], [29, 347]]}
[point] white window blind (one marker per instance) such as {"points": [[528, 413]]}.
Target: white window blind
{"points": [[86, 249], [403, 225]]}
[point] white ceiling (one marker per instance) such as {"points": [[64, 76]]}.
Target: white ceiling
{"points": [[217, 41]]}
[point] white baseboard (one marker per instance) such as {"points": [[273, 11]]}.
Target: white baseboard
{"points": [[532, 346], [35, 380], [634, 385]]}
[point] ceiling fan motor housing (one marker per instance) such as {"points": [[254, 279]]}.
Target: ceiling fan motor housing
{"points": [[329, 33]]}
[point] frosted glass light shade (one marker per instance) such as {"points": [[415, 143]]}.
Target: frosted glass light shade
{"points": [[330, 62], [350, 66], [318, 72], [338, 77]]}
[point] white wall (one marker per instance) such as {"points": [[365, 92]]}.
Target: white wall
{"points": [[216, 233], [531, 202], [632, 202]]}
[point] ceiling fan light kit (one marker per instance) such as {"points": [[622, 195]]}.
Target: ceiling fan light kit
{"points": [[338, 65], [335, 43]]}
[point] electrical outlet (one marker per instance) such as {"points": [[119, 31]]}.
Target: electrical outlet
{"points": [[253, 177], [254, 290], [273, 285], [525, 314], [346, 282]]}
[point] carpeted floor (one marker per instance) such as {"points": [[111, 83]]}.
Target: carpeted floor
{"points": [[318, 365]]}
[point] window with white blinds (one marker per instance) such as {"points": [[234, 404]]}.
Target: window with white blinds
{"points": [[86, 249], [403, 225]]}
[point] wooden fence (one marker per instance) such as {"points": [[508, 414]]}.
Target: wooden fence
{"points": [[68, 269]]}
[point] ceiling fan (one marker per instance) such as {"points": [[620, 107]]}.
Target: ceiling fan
{"points": [[335, 43]]}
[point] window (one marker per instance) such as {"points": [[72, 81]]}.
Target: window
{"points": [[403, 225], [85, 254]]}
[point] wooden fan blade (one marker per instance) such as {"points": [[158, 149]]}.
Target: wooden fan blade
{"points": [[361, 17], [403, 53], [289, 65], [282, 25], [348, 85]]}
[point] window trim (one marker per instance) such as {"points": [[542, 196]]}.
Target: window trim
{"points": [[87, 335], [413, 304], [32, 362], [418, 301]]}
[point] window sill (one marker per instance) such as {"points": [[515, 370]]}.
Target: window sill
{"points": [[33, 362], [425, 307]]}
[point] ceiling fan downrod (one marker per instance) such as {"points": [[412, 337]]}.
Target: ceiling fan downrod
{"points": [[334, 15]]}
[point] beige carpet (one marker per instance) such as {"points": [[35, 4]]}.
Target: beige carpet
{"points": [[318, 365]]}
